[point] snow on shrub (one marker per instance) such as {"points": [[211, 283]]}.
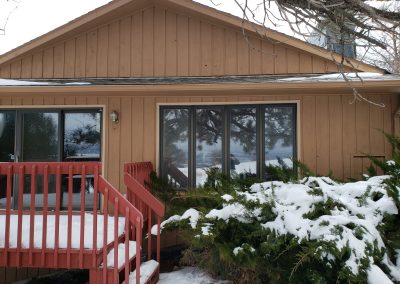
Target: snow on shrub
{"points": [[320, 224]]}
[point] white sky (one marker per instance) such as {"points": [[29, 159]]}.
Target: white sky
{"points": [[32, 18]]}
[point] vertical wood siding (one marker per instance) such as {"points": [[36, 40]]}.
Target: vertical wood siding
{"points": [[160, 42], [334, 134]]}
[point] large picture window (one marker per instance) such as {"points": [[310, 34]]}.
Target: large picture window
{"points": [[241, 140]]}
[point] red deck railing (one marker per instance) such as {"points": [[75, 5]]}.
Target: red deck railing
{"points": [[67, 197], [136, 180]]}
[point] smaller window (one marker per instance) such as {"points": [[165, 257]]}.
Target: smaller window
{"points": [[82, 136]]}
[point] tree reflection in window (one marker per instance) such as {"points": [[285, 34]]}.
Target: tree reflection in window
{"points": [[40, 136], [175, 157], [243, 141], [209, 133], [233, 138], [82, 136], [7, 135], [279, 135]]}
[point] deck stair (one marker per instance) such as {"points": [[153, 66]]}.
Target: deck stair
{"points": [[148, 272], [104, 233]]}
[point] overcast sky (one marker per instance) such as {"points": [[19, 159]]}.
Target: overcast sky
{"points": [[33, 18], [28, 19]]}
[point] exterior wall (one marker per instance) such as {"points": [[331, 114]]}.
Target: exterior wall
{"points": [[160, 42], [331, 132], [333, 135]]}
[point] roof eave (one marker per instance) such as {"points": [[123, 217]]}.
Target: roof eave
{"points": [[387, 86]]}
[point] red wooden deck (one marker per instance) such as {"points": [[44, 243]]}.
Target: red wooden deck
{"points": [[92, 236]]}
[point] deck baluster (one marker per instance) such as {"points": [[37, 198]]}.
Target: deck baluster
{"points": [[69, 249], [8, 210], [82, 229], [45, 208]]}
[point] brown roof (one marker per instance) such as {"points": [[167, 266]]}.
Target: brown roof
{"points": [[118, 7]]}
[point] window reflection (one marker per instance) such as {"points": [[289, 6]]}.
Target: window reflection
{"points": [[209, 133], [175, 155], [82, 136], [40, 137], [279, 136], [243, 143], [240, 140], [7, 135]]}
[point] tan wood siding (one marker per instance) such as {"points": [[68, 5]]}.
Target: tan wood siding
{"points": [[334, 135], [158, 41]]}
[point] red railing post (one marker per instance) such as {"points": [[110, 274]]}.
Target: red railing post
{"points": [[136, 179], [138, 254], [158, 239], [105, 233], [69, 235], [21, 178], [95, 201], [127, 229], [8, 209], [32, 214], [69, 249], [82, 235], [45, 207], [57, 215], [116, 225]]}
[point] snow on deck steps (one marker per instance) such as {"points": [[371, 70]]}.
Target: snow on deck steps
{"points": [[121, 255], [147, 270], [63, 231]]}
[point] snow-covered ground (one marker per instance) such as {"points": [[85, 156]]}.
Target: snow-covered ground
{"points": [[358, 209], [188, 275]]}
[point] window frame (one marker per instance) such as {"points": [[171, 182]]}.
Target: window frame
{"points": [[18, 135], [226, 115], [83, 110]]}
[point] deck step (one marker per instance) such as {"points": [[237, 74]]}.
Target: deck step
{"points": [[121, 255], [148, 273]]}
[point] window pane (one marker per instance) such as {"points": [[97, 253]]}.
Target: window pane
{"points": [[209, 131], [279, 135], [243, 155], [175, 147], [7, 135], [40, 143], [40, 137], [82, 136]]}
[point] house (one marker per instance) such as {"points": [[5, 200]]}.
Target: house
{"points": [[187, 87]]}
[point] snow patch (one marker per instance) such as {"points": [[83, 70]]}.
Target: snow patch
{"points": [[187, 275], [192, 214], [63, 231], [355, 211], [376, 275]]}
